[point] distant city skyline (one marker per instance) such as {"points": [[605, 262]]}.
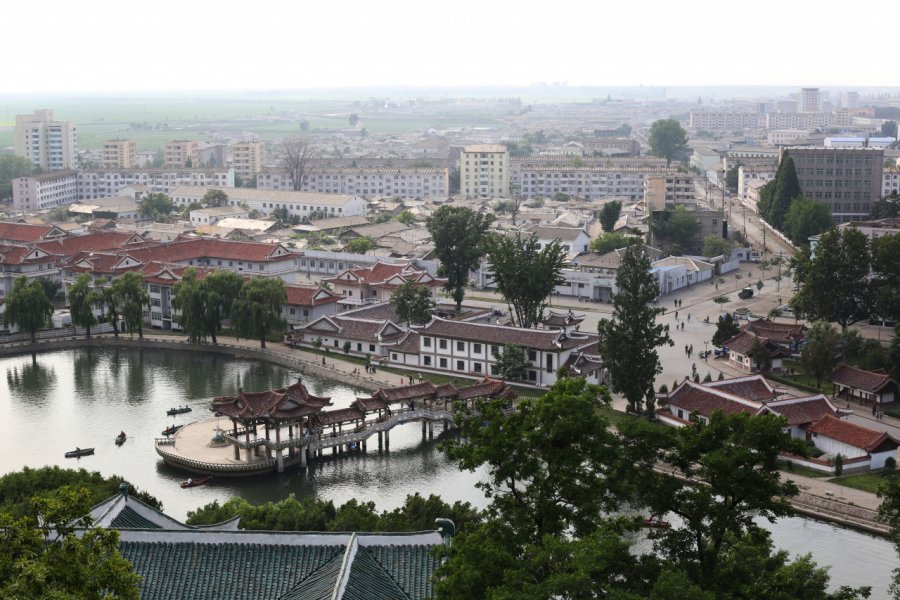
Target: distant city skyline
{"points": [[105, 46]]}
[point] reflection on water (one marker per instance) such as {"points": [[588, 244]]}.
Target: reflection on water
{"points": [[83, 398]]}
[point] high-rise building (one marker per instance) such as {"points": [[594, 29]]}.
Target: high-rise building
{"points": [[247, 158], [182, 153], [484, 171], [119, 154], [810, 100], [847, 180], [51, 145]]}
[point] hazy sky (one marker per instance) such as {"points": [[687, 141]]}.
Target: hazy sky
{"points": [[111, 45]]}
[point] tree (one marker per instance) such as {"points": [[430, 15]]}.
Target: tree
{"points": [[726, 328], [51, 287], [27, 306], [413, 302], [12, 167], [525, 274], [458, 235], [511, 362], [886, 276], [453, 181], [886, 208], [282, 216], [714, 245], [222, 289], [760, 357], [157, 206], [406, 217], [46, 556], [732, 175], [889, 129], [257, 310], [806, 218], [841, 266], [667, 140], [889, 513], [353, 120], [214, 198], [676, 229], [609, 214], [111, 303], [83, 297], [297, 158], [629, 340], [819, 355], [785, 188], [612, 241], [189, 299], [360, 245], [132, 297]]}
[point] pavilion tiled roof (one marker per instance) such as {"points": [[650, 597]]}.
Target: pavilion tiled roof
{"points": [[869, 381], [24, 232], [369, 404], [852, 434], [694, 397], [779, 333], [408, 344], [802, 411], [538, 339], [291, 402], [582, 363], [341, 415], [558, 320], [406, 392], [365, 330], [751, 387], [743, 342]]}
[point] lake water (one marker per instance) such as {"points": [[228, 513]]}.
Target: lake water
{"points": [[85, 397]]}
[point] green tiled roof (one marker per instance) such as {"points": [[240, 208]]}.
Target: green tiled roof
{"points": [[410, 566], [369, 581], [202, 571], [319, 585], [128, 518]]}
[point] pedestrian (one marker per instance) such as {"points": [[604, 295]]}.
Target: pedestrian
{"points": [[689, 316], [401, 381], [323, 361], [675, 302], [690, 349], [682, 325], [685, 348], [676, 315], [694, 369]]}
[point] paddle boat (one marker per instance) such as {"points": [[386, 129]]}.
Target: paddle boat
{"points": [[79, 452], [178, 410], [120, 439], [195, 481], [171, 429]]}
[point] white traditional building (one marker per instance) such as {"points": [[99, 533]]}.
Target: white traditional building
{"points": [[300, 204]]}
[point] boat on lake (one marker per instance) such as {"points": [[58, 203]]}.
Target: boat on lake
{"points": [[79, 452], [172, 429], [120, 439], [178, 410], [195, 481]]}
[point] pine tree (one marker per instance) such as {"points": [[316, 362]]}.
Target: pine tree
{"points": [[787, 187]]}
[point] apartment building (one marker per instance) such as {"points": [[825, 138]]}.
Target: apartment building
{"points": [[808, 121], [890, 181], [848, 180], [484, 171], [182, 153], [611, 147], [102, 183], [667, 190], [119, 154], [47, 190], [777, 137], [404, 182], [752, 173], [725, 121], [590, 183], [810, 100], [50, 144], [248, 158], [301, 204]]}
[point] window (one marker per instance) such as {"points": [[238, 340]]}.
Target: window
{"points": [[460, 346], [443, 363], [426, 360], [358, 347], [495, 350], [460, 365], [532, 375], [393, 357], [532, 355], [371, 347], [426, 342], [476, 348], [442, 344], [476, 367]]}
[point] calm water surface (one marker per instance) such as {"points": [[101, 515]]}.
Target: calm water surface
{"points": [[85, 397]]}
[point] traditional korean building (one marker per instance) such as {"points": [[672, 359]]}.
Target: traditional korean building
{"points": [[376, 283], [862, 448], [740, 346], [866, 387]]}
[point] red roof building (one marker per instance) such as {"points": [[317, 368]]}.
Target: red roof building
{"points": [[377, 282], [866, 387], [835, 436]]}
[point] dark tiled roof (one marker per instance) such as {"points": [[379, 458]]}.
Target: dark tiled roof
{"points": [[128, 518], [582, 363], [693, 397], [319, 585], [23, 232], [752, 387], [555, 320], [498, 334], [341, 415], [410, 566], [743, 342], [292, 402], [852, 435], [869, 381], [300, 295], [368, 580], [802, 411], [780, 333]]}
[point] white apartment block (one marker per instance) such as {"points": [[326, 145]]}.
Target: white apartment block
{"points": [[484, 171], [47, 190], [810, 100], [103, 183], [178, 153], [49, 144], [776, 137], [890, 182], [808, 121], [301, 204], [519, 163], [405, 182], [749, 173], [119, 154], [668, 190], [248, 158], [590, 183], [730, 121]]}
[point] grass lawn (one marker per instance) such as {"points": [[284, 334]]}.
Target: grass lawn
{"points": [[801, 378], [867, 482]]}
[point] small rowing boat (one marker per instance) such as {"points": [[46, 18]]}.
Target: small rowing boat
{"points": [[178, 410], [120, 439], [79, 452], [172, 429], [195, 481]]}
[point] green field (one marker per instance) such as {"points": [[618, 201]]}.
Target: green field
{"points": [[867, 482]]}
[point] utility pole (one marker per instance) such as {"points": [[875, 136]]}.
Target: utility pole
{"points": [[778, 281]]}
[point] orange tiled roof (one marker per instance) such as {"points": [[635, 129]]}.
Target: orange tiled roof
{"points": [[852, 434]]}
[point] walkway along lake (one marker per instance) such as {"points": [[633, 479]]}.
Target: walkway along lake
{"points": [[84, 397]]}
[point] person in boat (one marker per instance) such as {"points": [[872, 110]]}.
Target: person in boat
{"points": [[77, 449], [190, 481], [121, 434]]}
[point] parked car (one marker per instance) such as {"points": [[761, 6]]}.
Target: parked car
{"points": [[745, 293]]}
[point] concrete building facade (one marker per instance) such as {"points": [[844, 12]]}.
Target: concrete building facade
{"points": [[182, 153], [848, 180], [722, 121], [484, 171], [47, 190], [119, 154], [50, 144], [301, 204], [404, 182], [247, 158]]}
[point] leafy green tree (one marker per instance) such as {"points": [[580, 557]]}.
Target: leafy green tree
{"points": [[714, 245], [609, 214], [353, 120], [887, 208], [132, 297], [413, 302], [726, 328], [677, 230], [458, 235], [886, 276], [841, 265], [629, 340], [282, 216], [157, 206], [760, 357], [83, 298], [806, 218], [189, 298], [214, 198], [612, 241], [27, 306], [406, 217], [360, 245], [819, 356], [889, 129], [222, 289], [785, 188], [667, 139], [257, 310], [12, 167], [511, 363], [453, 181], [45, 557], [732, 175], [51, 287], [111, 303], [889, 513], [525, 274]]}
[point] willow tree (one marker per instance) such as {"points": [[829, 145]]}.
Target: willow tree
{"points": [[257, 310], [132, 297], [27, 306], [525, 274], [83, 297], [189, 299]]}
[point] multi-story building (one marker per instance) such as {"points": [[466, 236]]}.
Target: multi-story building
{"points": [[248, 158], [777, 137], [668, 190], [810, 100], [119, 154], [300, 204], [403, 182], [49, 144], [847, 180], [721, 121], [484, 171], [182, 153], [47, 190], [890, 181], [588, 182], [102, 183], [808, 121], [751, 173], [611, 147], [859, 142]]}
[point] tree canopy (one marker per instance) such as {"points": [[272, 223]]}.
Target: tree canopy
{"points": [[714, 245], [806, 218], [413, 302], [27, 306], [297, 159], [157, 206], [609, 214], [12, 167], [612, 241], [628, 340], [132, 298], [776, 196], [885, 282], [214, 198], [360, 245], [726, 328], [257, 310], [83, 299], [675, 230], [525, 274], [820, 351], [458, 234], [511, 362], [667, 139]]}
